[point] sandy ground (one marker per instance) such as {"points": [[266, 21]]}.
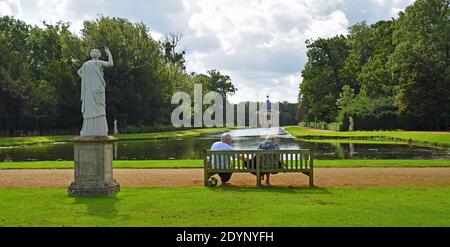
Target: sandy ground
{"points": [[324, 177]]}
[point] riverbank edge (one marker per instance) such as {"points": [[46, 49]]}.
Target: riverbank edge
{"points": [[385, 137]]}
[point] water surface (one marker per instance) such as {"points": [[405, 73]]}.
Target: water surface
{"points": [[192, 148]]}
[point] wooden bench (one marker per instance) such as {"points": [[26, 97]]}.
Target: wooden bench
{"points": [[250, 161]]}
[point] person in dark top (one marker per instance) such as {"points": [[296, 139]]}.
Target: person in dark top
{"points": [[269, 162]]}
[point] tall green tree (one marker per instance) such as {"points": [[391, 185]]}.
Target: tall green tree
{"points": [[374, 75], [169, 45], [421, 61], [322, 78], [135, 92], [220, 83], [54, 60], [16, 79], [360, 50]]}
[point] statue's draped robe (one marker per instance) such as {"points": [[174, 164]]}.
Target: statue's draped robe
{"points": [[93, 98]]}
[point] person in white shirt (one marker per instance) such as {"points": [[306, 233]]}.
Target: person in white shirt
{"points": [[222, 162]]}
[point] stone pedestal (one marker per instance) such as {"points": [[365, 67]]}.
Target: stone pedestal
{"points": [[93, 167]]}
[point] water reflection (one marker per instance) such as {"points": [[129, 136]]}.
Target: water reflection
{"points": [[192, 148], [352, 152]]}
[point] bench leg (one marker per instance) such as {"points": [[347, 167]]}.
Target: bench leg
{"points": [[311, 171], [258, 179], [206, 178], [311, 179]]}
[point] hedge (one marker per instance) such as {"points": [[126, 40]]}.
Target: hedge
{"points": [[323, 125]]}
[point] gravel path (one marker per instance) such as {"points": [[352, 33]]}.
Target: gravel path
{"points": [[325, 177]]}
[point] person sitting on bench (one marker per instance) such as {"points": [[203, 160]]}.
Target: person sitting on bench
{"points": [[269, 161], [219, 161]]}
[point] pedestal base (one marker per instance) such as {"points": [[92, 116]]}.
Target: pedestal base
{"points": [[93, 167], [80, 189]]}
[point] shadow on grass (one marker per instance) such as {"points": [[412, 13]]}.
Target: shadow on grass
{"points": [[104, 207], [272, 189]]}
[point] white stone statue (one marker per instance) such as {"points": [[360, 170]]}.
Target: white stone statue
{"points": [[351, 126], [93, 94]]}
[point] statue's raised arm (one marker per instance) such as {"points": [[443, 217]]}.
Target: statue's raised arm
{"points": [[80, 72], [110, 62]]}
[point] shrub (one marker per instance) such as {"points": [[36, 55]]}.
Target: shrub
{"points": [[375, 114], [150, 129], [322, 125]]}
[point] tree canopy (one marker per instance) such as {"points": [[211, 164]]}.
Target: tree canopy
{"points": [[392, 74]]}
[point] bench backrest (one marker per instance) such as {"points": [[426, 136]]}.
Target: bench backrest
{"points": [[263, 160]]}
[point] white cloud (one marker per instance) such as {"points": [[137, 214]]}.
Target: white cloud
{"points": [[10, 7], [381, 3], [280, 87], [334, 24], [72, 11], [392, 3], [5, 9], [156, 35], [322, 7], [395, 11]]}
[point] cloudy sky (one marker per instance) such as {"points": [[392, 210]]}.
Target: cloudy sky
{"points": [[259, 43]]}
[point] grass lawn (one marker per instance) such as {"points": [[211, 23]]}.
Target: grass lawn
{"points": [[14, 141], [432, 138], [353, 141], [228, 207], [148, 164]]}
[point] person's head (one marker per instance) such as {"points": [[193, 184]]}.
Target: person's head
{"points": [[95, 54], [226, 138], [271, 138]]}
